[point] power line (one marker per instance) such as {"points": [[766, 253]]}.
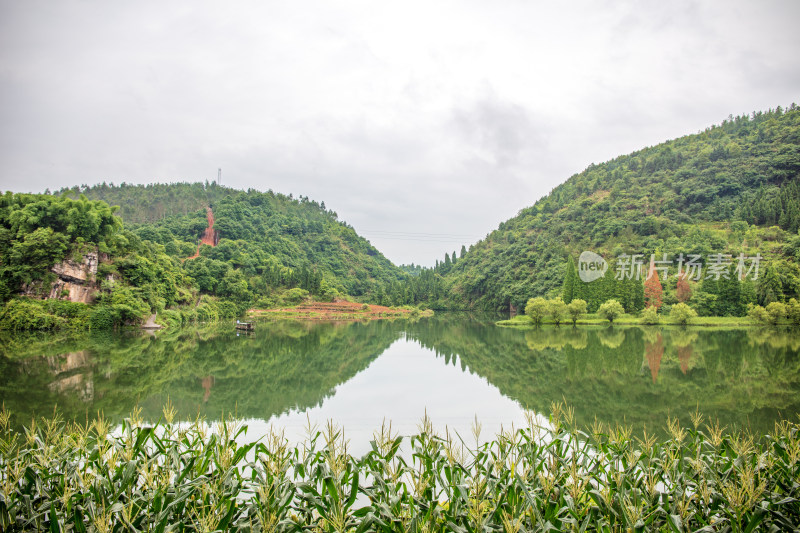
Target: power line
{"points": [[421, 235], [415, 234], [417, 239], [449, 238]]}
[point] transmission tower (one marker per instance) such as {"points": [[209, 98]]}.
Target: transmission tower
{"points": [[219, 176]]}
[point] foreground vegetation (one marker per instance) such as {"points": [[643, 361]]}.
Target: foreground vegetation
{"points": [[64, 476]]}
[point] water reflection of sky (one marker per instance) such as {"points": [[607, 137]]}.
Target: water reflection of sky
{"points": [[404, 383]]}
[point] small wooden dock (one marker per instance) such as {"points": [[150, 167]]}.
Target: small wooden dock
{"points": [[245, 326]]}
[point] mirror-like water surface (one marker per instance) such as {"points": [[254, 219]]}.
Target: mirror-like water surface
{"points": [[453, 366]]}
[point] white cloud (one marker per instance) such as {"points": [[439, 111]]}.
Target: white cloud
{"points": [[437, 118]]}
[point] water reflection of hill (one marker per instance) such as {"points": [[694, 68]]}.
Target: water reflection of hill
{"points": [[207, 371], [641, 375]]}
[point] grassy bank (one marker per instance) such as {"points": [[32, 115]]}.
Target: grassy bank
{"points": [[627, 320], [342, 310], [59, 476]]}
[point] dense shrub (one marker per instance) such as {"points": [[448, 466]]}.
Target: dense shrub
{"points": [[793, 311], [758, 314], [777, 311], [227, 309], [682, 313], [650, 315], [26, 314], [611, 310], [295, 296], [170, 318]]}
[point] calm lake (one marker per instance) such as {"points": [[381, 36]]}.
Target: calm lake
{"points": [[454, 367]]}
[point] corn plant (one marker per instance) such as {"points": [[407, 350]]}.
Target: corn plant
{"points": [[196, 476]]}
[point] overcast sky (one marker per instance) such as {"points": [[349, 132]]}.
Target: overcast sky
{"points": [[424, 124]]}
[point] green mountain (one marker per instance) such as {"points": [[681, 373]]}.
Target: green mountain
{"points": [[183, 251], [731, 189], [265, 240], [728, 196]]}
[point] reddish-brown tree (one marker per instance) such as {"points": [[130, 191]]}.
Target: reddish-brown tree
{"points": [[652, 288], [682, 290]]}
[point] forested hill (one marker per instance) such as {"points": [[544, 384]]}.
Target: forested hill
{"points": [[269, 239], [140, 204], [732, 188], [150, 203]]}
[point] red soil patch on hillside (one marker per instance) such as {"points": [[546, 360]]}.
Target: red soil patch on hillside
{"points": [[332, 311], [210, 235]]}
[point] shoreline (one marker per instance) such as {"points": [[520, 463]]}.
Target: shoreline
{"points": [[523, 322], [344, 311]]}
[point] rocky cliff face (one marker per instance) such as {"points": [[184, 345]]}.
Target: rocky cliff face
{"points": [[77, 282]]}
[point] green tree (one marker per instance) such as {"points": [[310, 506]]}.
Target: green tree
{"points": [[31, 257], [557, 309], [295, 296], [328, 293], [610, 310], [748, 293], [769, 287], [536, 309], [568, 287], [729, 296], [234, 286], [705, 303], [576, 309], [122, 307]]}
